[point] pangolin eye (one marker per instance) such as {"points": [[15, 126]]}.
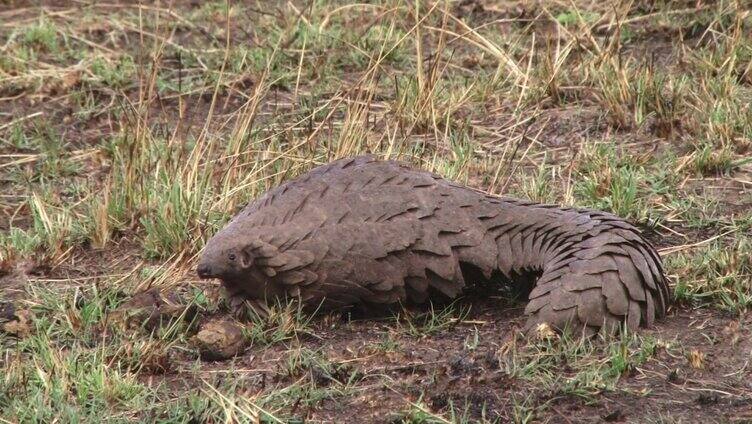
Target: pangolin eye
{"points": [[231, 256]]}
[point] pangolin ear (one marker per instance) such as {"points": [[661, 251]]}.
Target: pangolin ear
{"points": [[245, 258]]}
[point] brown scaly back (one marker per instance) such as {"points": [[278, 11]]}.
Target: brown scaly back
{"points": [[364, 231]]}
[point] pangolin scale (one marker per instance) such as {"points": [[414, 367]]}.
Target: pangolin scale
{"points": [[367, 231]]}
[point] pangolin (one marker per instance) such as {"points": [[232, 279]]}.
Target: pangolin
{"points": [[363, 231]]}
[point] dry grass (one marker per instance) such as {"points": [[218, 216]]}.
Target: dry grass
{"points": [[130, 133]]}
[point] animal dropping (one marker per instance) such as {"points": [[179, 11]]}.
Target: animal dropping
{"points": [[362, 231]]}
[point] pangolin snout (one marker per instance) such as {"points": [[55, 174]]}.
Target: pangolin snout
{"points": [[204, 271]]}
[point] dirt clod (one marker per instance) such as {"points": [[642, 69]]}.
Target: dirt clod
{"points": [[708, 398], [613, 416], [150, 309], [7, 311], [15, 322], [220, 340]]}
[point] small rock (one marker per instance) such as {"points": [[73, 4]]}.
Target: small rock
{"points": [[220, 340]]}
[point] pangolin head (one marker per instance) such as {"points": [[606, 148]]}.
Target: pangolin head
{"points": [[224, 257]]}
